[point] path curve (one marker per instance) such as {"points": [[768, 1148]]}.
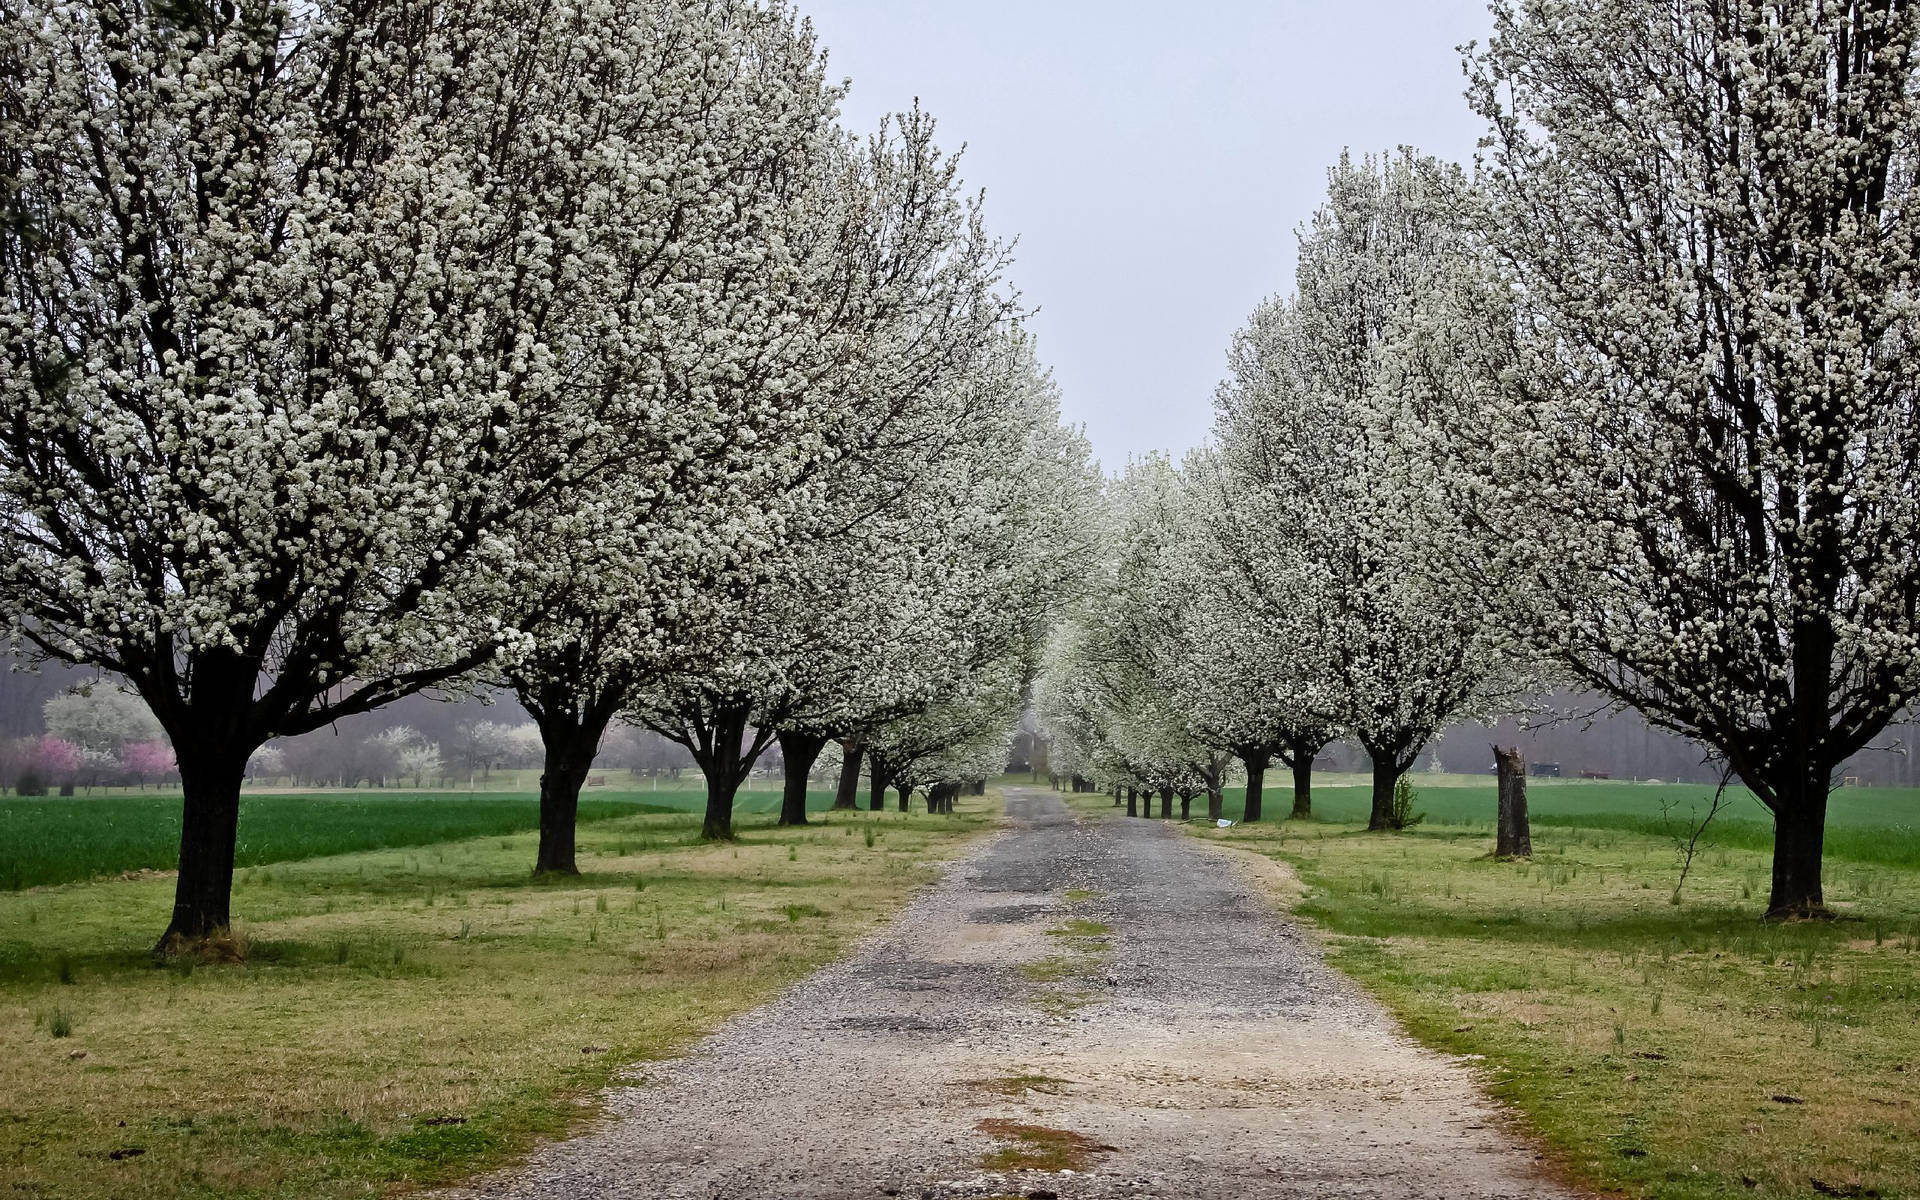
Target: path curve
{"points": [[1196, 1047]]}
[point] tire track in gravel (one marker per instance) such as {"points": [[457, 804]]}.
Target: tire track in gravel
{"points": [[1195, 1047]]}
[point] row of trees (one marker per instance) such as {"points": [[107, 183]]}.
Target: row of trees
{"points": [[360, 350], [33, 765], [96, 736], [469, 753], [1637, 407]]}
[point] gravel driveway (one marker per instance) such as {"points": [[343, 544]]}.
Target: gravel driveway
{"points": [[1084, 1007]]}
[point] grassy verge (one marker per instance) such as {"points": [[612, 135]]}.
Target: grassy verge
{"points": [[1673, 1050], [408, 1016]]}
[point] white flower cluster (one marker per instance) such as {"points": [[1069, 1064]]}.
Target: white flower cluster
{"points": [[1681, 402], [1290, 584], [354, 350], [1639, 406]]}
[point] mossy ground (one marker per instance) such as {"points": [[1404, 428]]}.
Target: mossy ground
{"points": [[1037, 1147]]}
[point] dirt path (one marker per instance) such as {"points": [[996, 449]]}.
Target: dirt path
{"points": [[1083, 1008]]}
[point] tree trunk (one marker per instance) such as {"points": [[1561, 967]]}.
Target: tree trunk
{"points": [[1302, 787], [1386, 773], [877, 798], [1799, 839], [1133, 803], [570, 743], [1116, 797], [848, 794], [721, 761], [1166, 804], [905, 792], [1186, 805], [1514, 838], [723, 782], [799, 751], [209, 827], [1256, 764]]}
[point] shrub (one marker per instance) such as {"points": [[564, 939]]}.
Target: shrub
{"points": [[1402, 815], [30, 783]]}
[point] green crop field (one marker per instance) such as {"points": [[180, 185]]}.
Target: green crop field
{"points": [[58, 839], [1867, 825]]}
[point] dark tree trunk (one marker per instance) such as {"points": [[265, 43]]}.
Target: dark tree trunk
{"points": [[1805, 773], [1116, 797], [1133, 803], [723, 783], [209, 827], [1256, 764], [1386, 773], [1302, 787], [724, 767], [905, 792], [1514, 836], [1799, 839], [848, 794], [1166, 804], [877, 798], [799, 751], [570, 740], [1216, 802], [1186, 805]]}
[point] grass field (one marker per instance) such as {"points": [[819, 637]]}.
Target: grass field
{"points": [[59, 839], [408, 1016], [1672, 1050], [1872, 825]]}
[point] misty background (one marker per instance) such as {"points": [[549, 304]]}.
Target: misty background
{"points": [[470, 739]]}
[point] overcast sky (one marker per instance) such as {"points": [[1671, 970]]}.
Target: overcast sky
{"points": [[1154, 160]]}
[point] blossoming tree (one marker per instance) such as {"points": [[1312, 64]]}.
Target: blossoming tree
{"points": [[1329, 524], [314, 318], [1696, 430]]}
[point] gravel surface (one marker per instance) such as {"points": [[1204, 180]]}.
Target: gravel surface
{"points": [[1196, 1046]]}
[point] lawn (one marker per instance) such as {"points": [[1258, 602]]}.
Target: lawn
{"points": [[1672, 1050], [59, 839], [406, 1016]]}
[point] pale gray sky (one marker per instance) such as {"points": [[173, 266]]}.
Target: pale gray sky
{"points": [[1154, 160]]}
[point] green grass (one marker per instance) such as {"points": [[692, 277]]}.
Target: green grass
{"points": [[407, 1016], [59, 839], [1647, 1043], [1868, 825]]}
